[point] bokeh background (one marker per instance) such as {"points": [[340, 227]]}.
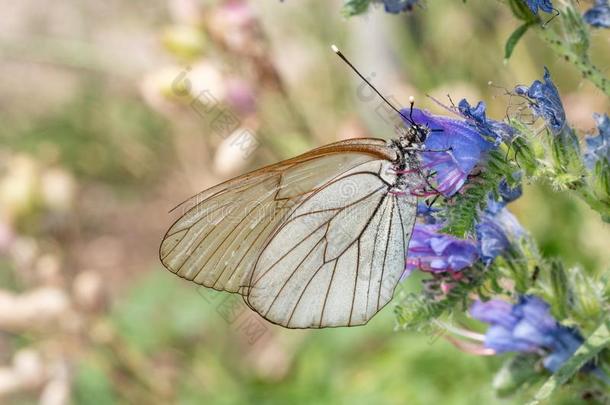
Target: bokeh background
{"points": [[114, 112]]}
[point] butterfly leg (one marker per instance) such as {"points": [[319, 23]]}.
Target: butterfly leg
{"points": [[431, 203]]}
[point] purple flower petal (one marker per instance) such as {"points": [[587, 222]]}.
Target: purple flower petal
{"points": [[502, 340], [435, 252], [495, 312]]}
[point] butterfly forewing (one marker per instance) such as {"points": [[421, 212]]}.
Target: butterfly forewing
{"points": [[318, 240]]}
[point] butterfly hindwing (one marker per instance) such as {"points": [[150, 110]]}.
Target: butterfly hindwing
{"points": [[337, 258]]}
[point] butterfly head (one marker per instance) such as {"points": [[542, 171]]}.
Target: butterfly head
{"points": [[414, 134]]}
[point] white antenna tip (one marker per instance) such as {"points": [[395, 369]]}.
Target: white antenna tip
{"points": [[334, 48], [411, 99]]}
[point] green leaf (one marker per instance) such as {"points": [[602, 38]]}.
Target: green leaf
{"points": [[355, 7], [514, 39], [599, 340]]}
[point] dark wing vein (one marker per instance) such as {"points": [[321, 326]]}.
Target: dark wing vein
{"points": [[373, 256], [332, 277], [292, 274], [351, 311]]}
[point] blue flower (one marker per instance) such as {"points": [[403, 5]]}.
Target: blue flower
{"points": [[598, 16], [398, 6], [544, 5], [545, 102], [497, 231], [598, 147], [432, 251], [427, 212], [527, 327], [509, 194], [454, 147]]}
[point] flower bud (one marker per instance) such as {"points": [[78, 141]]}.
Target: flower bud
{"points": [[184, 41]]}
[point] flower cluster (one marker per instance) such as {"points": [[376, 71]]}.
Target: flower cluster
{"points": [[569, 161], [470, 245], [527, 327], [431, 250], [456, 151], [454, 147], [452, 151]]}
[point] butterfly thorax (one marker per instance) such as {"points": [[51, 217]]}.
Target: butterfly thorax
{"points": [[409, 143], [412, 136]]}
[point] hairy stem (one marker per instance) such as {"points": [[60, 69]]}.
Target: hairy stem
{"points": [[580, 60]]}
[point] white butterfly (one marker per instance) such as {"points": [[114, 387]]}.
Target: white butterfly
{"points": [[315, 241]]}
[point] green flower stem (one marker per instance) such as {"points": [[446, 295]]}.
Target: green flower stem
{"points": [[580, 61]]}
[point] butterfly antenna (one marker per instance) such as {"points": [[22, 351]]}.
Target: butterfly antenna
{"points": [[338, 52], [411, 104]]}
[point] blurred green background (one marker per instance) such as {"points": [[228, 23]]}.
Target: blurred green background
{"points": [[109, 117]]}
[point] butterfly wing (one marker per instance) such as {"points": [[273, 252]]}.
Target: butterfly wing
{"points": [[319, 229], [337, 257]]}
